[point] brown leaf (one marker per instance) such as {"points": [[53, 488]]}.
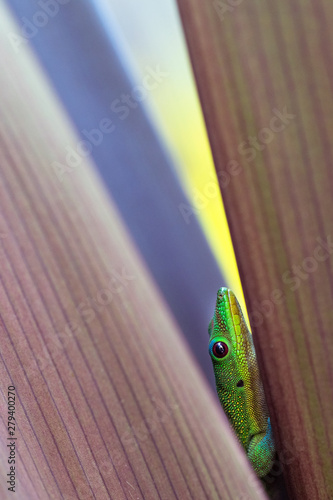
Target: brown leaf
{"points": [[263, 71]]}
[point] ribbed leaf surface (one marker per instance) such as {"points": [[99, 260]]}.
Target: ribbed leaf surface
{"points": [[264, 73]]}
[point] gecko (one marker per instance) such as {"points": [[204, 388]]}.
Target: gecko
{"points": [[238, 381]]}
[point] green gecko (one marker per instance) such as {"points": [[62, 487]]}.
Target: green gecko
{"points": [[238, 382]]}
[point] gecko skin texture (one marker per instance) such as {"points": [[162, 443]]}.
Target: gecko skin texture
{"points": [[238, 382]]}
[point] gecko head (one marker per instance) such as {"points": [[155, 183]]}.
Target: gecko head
{"points": [[227, 319], [235, 367], [227, 348], [230, 342]]}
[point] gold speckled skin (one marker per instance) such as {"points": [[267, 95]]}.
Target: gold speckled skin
{"points": [[244, 404]]}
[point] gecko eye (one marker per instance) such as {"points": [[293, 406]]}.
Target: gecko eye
{"points": [[220, 349]]}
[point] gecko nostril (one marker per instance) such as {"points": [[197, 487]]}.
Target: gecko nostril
{"points": [[240, 383]]}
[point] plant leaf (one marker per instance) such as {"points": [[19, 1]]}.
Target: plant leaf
{"points": [[263, 71]]}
